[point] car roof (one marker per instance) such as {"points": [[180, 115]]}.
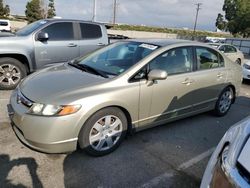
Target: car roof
{"points": [[70, 20], [3, 20], [163, 42]]}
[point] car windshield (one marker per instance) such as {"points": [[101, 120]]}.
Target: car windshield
{"points": [[30, 28], [118, 57]]}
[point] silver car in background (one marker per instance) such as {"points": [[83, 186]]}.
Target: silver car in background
{"points": [[229, 165], [246, 70], [233, 53]]}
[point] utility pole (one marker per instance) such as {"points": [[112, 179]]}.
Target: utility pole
{"points": [[94, 11], [114, 13], [196, 17]]}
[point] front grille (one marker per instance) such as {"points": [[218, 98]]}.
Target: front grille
{"points": [[243, 172], [21, 99]]}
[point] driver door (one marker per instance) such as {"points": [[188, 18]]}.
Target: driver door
{"points": [[164, 100], [61, 46]]}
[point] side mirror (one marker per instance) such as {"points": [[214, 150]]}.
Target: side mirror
{"points": [[43, 36], [157, 74]]}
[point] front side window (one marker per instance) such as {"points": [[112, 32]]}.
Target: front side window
{"points": [[208, 58], [175, 61], [118, 57], [222, 48], [60, 31], [90, 31]]}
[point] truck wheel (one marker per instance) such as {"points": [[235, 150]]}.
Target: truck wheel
{"points": [[11, 73], [103, 132]]}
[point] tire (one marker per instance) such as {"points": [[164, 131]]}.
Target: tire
{"points": [[12, 72], [238, 61], [224, 102], [98, 138]]}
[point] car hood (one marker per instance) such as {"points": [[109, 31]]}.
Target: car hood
{"points": [[47, 85]]}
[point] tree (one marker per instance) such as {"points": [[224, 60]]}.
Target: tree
{"points": [[4, 10], [220, 22], [237, 14], [51, 10], [33, 11]]}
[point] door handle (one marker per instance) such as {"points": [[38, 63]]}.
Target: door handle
{"points": [[100, 44], [219, 75], [72, 45], [187, 81]]}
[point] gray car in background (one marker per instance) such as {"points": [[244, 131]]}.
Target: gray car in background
{"points": [[44, 43]]}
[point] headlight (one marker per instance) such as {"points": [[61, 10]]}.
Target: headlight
{"points": [[53, 110], [246, 66], [224, 157]]}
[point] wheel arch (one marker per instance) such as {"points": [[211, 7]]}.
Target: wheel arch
{"points": [[131, 128], [20, 57]]}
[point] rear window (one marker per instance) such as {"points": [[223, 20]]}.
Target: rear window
{"points": [[4, 23], [90, 31]]}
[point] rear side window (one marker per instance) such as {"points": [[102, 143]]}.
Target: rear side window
{"points": [[3, 23], [208, 58], [60, 31], [90, 31]]}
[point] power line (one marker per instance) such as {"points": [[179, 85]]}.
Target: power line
{"points": [[94, 11], [198, 8], [114, 11]]}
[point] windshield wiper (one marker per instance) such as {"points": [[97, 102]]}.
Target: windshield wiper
{"points": [[87, 68]]}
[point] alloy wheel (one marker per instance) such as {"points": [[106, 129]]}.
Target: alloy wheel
{"points": [[225, 101], [9, 74]]}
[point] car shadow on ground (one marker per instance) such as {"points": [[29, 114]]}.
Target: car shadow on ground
{"points": [[151, 152], [6, 165]]}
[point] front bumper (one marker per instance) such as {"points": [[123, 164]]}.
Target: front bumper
{"points": [[44, 134]]}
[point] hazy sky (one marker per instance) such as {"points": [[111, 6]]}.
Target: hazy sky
{"points": [[166, 13]]}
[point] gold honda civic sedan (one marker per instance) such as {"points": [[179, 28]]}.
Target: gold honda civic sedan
{"points": [[94, 101]]}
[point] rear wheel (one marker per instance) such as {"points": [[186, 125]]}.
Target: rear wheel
{"points": [[224, 102], [103, 132], [238, 61], [11, 73]]}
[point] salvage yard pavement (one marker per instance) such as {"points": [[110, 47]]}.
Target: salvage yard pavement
{"points": [[171, 155]]}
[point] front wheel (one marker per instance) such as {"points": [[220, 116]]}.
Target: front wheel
{"points": [[224, 102], [11, 73], [103, 132]]}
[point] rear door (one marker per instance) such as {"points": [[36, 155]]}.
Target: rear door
{"points": [[91, 37], [210, 77], [61, 46]]}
